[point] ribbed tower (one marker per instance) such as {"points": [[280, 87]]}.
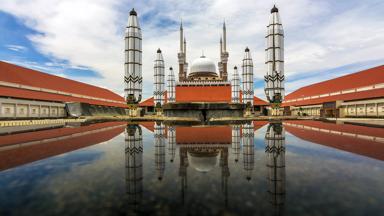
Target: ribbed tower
{"points": [[182, 56], [275, 152], [236, 139], [159, 76], [274, 78], [134, 165], [224, 55], [132, 66], [235, 86], [159, 138], [171, 142], [171, 94], [247, 78], [248, 149]]}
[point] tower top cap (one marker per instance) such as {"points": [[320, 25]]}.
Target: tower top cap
{"points": [[170, 68], [274, 9], [158, 50], [235, 68], [133, 12], [247, 49]]}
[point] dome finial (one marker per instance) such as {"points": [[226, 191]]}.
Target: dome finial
{"points": [[246, 49], [274, 9], [133, 12], [158, 50]]}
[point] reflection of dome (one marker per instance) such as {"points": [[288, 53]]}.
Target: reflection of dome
{"points": [[202, 162], [203, 68]]}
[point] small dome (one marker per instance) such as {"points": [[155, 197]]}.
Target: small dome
{"points": [[203, 64], [202, 162]]}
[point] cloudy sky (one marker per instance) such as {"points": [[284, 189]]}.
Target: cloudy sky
{"points": [[83, 39]]}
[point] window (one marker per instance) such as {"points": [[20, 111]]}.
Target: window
{"points": [[7, 110], [21, 111], [33, 111]]}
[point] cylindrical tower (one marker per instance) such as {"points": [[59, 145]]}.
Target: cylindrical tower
{"points": [[248, 149], [247, 78], [274, 59], [134, 165], [132, 66], [159, 91], [171, 86], [159, 138], [275, 156], [235, 85]]}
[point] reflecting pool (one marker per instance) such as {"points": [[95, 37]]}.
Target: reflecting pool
{"points": [[254, 168]]}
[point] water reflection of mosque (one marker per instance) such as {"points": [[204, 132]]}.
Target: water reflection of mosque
{"points": [[202, 148]]}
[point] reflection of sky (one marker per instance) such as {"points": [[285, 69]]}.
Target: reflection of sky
{"points": [[319, 180]]}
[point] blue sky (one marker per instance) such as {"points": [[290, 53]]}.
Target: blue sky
{"points": [[83, 39]]}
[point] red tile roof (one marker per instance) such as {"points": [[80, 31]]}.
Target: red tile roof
{"points": [[361, 146], [360, 79], [14, 74], [203, 94], [204, 135]]}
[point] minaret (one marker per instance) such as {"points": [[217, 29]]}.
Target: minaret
{"points": [[235, 85], [247, 78], [171, 86], [134, 165], [236, 146], [224, 55], [181, 56], [275, 155], [171, 142], [159, 138], [132, 66], [185, 58], [220, 63], [159, 92], [274, 78], [248, 149]]}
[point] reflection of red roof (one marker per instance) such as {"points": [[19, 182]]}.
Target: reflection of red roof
{"points": [[202, 135], [16, 75], [348, 82], [340, 137], [20, 155], [259, 124]]}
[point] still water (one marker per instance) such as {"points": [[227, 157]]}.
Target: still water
{"points": [[256, 168]]}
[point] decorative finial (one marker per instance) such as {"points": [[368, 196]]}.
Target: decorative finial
{"points": [[133, 12], [170, 68], [247, 49], [158, 50], [274, 9], [235, 68]]}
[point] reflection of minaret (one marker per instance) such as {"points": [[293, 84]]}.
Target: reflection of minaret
{"points": [[275, 151], [160, 149], [248, 149], [133, 77], [236, 147], [171, 142], [134, 165], [224, 173], [183, 171]]}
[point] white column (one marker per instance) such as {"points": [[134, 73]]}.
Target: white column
{"points": [[159, 92], [171, 86], [247, 78], [235, 85]]}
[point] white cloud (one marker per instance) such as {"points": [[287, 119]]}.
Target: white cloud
{"points": [[16, 48], [89, 33]]}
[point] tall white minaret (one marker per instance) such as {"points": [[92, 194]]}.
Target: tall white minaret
{"points": [[132, 66], [274, 78], [236, 140], [171, 86], [224, 55], [159, 149], [275, 152], [247, 78], [248, 149], [134, 165], [159, 92], [181, 56], [185, 58], [235, 85]]}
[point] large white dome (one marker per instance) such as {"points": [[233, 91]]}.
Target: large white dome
{"points": [[203, 64]]}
